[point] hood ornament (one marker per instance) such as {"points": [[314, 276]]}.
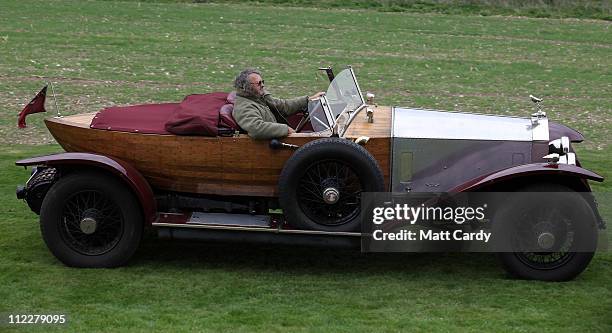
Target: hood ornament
{"points": [[539, 114]]}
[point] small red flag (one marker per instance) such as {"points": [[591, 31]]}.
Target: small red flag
{"points": [[37, 104]]}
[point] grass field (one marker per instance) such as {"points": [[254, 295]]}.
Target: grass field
{"points": [[104, 53], [589, 9]]}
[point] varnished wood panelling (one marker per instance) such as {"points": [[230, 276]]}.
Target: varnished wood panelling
{"points": [[380, 128], [208, 165]]}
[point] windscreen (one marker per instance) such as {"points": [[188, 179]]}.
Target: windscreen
{"points": [[339, 104], [343, 93], [317, 116]]}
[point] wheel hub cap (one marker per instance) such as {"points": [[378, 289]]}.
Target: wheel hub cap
{"points": [[88, 225], [331, 195], [546, 240]]}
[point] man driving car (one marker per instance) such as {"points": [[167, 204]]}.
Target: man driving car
{"points": [[256, 111]]}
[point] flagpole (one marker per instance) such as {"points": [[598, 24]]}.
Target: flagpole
{"points": [[54, 99]]}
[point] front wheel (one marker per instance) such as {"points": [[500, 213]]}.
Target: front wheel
{"points": [[554, 228], [321, 185], [91, 220]]}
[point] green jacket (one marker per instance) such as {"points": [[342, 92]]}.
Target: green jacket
{"points": [[256, 115]]}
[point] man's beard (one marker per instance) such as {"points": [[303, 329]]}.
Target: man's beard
{"points": [[253, 92]]}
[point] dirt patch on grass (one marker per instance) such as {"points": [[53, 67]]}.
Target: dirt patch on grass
{"points": [[76, 80]]}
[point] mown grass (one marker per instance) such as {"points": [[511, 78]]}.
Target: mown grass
{"points": [[177, 286], [593, 9], [104, 53]]}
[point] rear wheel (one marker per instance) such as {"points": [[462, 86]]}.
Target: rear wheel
{"points": [[91, 220], [558, 228]]}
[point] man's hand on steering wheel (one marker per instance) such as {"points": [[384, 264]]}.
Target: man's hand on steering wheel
{"points": [[316, 96]]}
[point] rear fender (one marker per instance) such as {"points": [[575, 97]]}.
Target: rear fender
{"points": [[125, 171], [534, 170]]}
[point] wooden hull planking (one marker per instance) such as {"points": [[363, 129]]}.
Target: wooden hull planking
{"points": [[209, 165]]}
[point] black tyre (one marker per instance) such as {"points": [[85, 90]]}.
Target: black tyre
{"points": [[91, 220], [559, 225], [321, 184]]}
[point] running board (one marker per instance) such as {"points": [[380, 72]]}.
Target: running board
{"points": [[238, 220], [246, 228], [235, 222]]}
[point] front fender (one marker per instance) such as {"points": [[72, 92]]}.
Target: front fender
{"points": [[124, 170], [531, 170], [557, 130]]}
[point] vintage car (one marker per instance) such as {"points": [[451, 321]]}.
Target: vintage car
{"points": [[115, 179]]}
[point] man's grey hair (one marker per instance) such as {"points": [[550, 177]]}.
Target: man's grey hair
{"points": [[242, 84]]}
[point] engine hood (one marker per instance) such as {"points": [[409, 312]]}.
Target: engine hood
{"points": [[435, 124], [557, 130]]}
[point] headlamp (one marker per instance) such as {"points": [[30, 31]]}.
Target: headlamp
{"points": [[559, 151]]}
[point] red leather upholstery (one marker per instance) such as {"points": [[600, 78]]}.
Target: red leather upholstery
{"points": [[231, 97], [294, 119], [226, 119]]}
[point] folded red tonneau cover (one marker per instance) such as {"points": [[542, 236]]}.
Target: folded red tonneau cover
{"points": [[196, 115]]}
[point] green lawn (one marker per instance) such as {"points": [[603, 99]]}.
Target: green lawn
{"points": [[586, 9], [103, 53]]}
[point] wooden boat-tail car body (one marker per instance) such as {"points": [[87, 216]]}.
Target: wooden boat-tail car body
{"points": [[234, 165], [304, 188]]}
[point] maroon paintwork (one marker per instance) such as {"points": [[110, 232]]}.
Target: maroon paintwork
{"points": [[527, 170], [557, 130], [126, 172]]}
